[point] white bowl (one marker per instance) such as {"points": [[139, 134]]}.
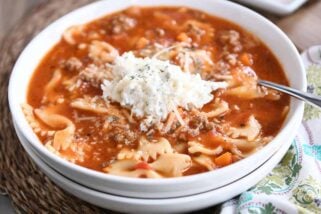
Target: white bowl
{"points": [[272, 36], [169, 205]]}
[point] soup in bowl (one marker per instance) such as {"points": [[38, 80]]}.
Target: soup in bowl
{"points": [[158, 92]]}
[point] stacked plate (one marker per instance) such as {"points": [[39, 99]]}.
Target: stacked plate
{"points": [[281, 7], [157, 205], [158, 195]]}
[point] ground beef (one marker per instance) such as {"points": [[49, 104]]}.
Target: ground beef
{"points": [[95, 75], [123, 136], [121, 24], [72, 64], [231, 38]]}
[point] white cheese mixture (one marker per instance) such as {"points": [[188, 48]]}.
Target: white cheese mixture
{"points": [[153, 88]]}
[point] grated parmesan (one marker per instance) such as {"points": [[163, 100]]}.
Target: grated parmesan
{"points": [[153, 88]]}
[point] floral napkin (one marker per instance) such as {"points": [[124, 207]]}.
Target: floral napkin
{"points": [[294, 185]]}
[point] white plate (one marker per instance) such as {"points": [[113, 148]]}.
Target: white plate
{"points": [[312, 56], [281, 7], [270, 34], [170, 205]]}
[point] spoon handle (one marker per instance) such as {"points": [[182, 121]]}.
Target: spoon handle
{"points": [[309, 98]]}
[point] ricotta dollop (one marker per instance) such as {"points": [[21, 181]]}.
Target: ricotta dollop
{"points": [[153, 88]]}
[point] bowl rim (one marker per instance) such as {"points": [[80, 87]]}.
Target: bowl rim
{"points": [[29, 134]]}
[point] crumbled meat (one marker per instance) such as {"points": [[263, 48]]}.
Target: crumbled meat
{"points": [[118, 129], [231, 38], [199, 30], [112, 118], [231, 59], [192, 28], [174, 127], [122, 23], [118, 137], [160, 31], [182, 137], [195, 61], [199, 122], [149, 50], [123, 136], [72, 64], [95, 75], [195, 122], [209, 126], [220, 72]]}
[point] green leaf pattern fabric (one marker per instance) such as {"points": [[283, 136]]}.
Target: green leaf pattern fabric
{"points": [[294, 185]]}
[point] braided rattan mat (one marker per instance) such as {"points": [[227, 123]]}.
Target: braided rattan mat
{"points": [[28, 188]]}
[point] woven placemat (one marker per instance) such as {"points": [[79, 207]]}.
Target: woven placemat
{"points": [[28, 188]]}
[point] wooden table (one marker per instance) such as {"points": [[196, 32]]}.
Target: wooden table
{"points": [[303, 27]]}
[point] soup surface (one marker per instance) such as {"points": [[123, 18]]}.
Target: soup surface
{"points": [[156, 92]]}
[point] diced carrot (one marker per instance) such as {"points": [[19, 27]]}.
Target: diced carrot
{"points": [[246, 59], [142, 165], [141, 43], [183, 37], [224, 159]]}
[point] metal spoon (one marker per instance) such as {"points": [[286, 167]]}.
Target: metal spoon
{"points": [[306, 97]]}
